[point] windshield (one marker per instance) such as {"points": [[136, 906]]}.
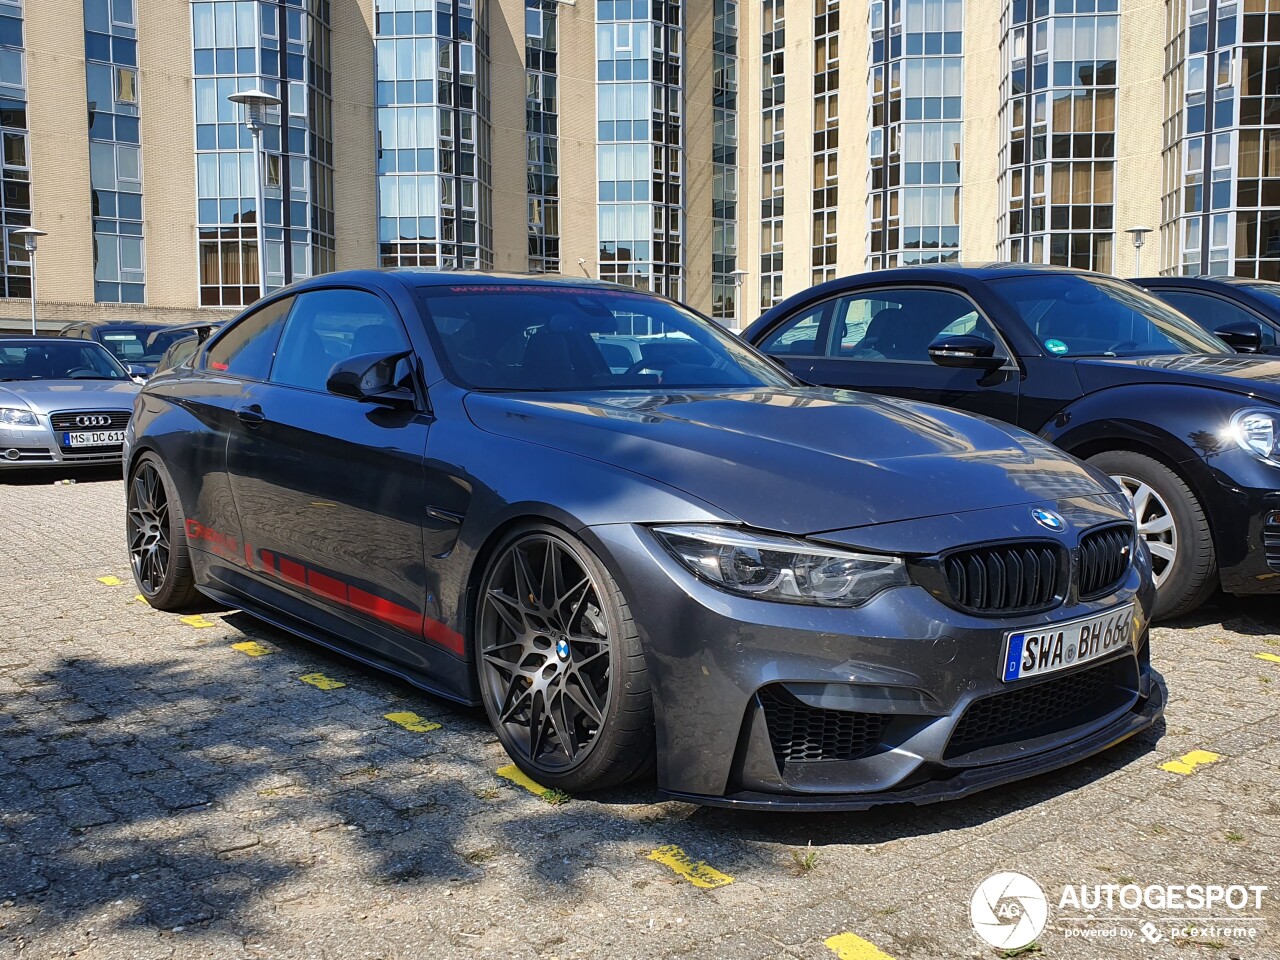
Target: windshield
{"points": [[139, 344], [1072, 315], [553, 337], [57, 360]]}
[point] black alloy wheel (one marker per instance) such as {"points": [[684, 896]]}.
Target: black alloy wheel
{"points": [[155, 526], [561, 671]]}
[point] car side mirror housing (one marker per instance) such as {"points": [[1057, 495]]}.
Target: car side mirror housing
{"points": [[136, 372], [370, 378], [965, 350], [1243, 336]]}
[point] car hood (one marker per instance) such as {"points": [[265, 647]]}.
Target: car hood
{"points": [[799, 460], [49, 395], [1251, 375]]}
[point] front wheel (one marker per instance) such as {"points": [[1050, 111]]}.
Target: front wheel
{"points": [[156, 529], [1172, 522], [562, 673]]}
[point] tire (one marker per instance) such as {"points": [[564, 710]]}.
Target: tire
{"points": [[157, 538], [561, 669], [1182, 554]]}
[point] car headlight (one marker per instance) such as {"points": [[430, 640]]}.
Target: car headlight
{"points": [[1257, 432], [17, 417], [767, 567]]}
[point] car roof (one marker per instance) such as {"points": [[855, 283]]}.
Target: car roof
{"points": [[975, 271], [116, 322], [32, 341], [454, 278], [1202, 281]]}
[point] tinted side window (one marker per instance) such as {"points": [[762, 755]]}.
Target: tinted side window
{"points": [[800, 335], [899, 325], [1213, 312], [327, 326], [248, 345]]}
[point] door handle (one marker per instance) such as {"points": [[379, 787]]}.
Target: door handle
{"points": [[251, 416]]}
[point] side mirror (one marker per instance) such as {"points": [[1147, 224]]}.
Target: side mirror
{"points": [[137, 372], [1244, 336], [965, 350], [370, 378]]}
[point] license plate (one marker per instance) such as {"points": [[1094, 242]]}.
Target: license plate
{"points": [[1060, 646], [93, 438]]}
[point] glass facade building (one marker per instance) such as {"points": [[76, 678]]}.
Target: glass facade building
{"points": [[773, 99], [15, 176], [724, 162], [432, 93], [115, 150], [542, 130], [1221, 207], [1058, 160], [826, 136], [914, 143], [640, 143], [282, 48]]}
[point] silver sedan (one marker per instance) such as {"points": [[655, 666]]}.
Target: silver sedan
{"points": [[61, 402]]}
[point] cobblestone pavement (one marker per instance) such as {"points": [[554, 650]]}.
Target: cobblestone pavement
{"points": [[209, 787]]}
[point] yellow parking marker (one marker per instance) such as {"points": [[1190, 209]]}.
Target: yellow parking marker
{"points": [[1188, 762], [520, 779], [697, 873], [139, 598], [251, 648], [321, 682], [850, 946], [110, 581], [412, 722], [1269, 657], [197, 621]]}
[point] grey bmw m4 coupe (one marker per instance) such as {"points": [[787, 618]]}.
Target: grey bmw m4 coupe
{"points": [[641, 545]]}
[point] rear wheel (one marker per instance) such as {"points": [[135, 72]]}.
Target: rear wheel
{"points": [[1172, 522], [156, 528], [561, 669]]}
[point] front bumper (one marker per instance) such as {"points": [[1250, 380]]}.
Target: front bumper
{"points": [[23, 448], [905, 666]]}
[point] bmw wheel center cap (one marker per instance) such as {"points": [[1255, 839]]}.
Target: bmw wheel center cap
{"points": [[1048, 519], [562, 648]]}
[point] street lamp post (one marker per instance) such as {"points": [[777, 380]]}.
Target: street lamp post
{"points": [[30, 237], [256, 103], [1139, 237], [738, 277]]}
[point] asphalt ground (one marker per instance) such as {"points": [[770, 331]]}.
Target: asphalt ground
{"points": [[208, 787]]}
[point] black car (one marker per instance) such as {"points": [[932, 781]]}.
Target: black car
{"points": [[138, 345], [638, 543], [184, 340], [1093, 364], [1242, 311]]}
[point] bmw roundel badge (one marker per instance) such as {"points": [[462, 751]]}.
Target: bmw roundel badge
{"points": [[1048, 519]]}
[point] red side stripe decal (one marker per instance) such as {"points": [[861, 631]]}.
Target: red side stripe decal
{"points": [[339, 591]]}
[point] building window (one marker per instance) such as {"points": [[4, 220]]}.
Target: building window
{"points": [[773, 96], [434, 180], [283, 47], [542, 128], [15, 174], [917, 90], [115, 151], [640, 143], [724, 164], [1221, 208], [1058, 114]]}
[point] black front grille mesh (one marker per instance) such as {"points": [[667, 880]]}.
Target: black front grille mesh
{"points": [[799, 732], [1105, 556], [1017, 576], [1043, 709]]}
